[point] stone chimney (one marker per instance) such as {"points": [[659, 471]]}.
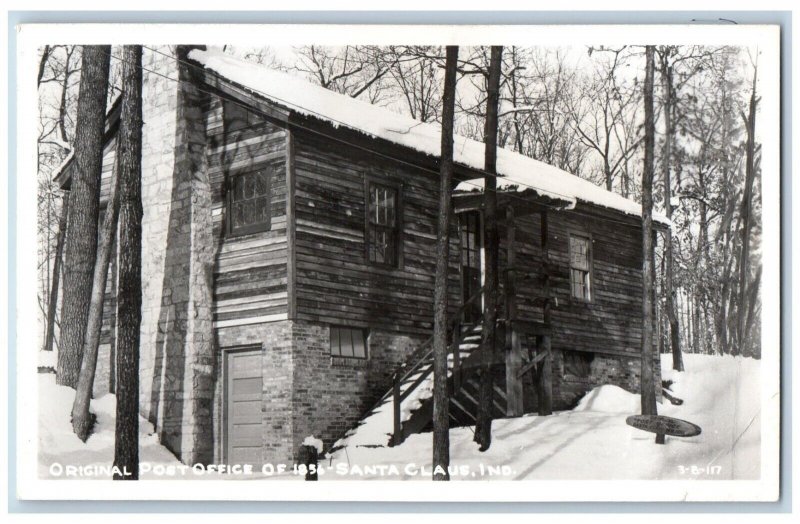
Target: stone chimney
{"points": [[177, 365]]}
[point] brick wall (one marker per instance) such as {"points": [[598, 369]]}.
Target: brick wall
{"points": [[331, 394], [275, 341]]}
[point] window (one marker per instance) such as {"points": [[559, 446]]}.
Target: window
{"points": [[382, 225], [580, 267], [236, 116], [348, 342], [249, 202]]}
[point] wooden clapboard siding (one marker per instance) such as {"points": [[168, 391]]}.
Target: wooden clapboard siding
{"points": [[250, 272], [611, 322], [334, 282], [109, 158]]}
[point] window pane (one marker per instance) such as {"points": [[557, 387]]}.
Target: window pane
{"points": [[335, 350], [358, 344], [346, 341]]}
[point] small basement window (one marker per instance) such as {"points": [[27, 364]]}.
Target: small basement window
{"points": [[249, 201], [382, 225], [348, 342], [580, 267]]}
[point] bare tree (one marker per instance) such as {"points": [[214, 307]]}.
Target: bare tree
{"points": [[81, 242], [129, 294], [747, 219], [441, 399], [82, 421], [604, 114], [647, 382], [483, 426]]}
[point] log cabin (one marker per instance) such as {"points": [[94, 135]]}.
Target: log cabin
{"points": [[288, 257]]}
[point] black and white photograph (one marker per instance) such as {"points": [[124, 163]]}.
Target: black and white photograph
{"points": [[292, 258]]}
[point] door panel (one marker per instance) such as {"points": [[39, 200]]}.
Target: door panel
{"points": [[244, 419]]}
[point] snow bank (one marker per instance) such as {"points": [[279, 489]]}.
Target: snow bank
{"points": [[58, 444], [307, 99], [593, 442], [609, 399]]}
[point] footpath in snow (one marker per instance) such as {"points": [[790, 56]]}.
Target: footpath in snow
{"points": [[593, 442]]}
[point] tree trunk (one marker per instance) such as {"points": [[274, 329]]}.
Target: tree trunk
{"points": [[441, 399], [669, 284], [82, 421], [747, 219], [42, 64], [129, 294], [648, 391], [53, 302], [81, 243], [483, 425]]}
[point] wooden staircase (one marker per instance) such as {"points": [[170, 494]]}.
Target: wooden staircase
{"points": [[407, 408], [463, 382]]}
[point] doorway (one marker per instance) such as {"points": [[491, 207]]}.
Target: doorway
{"points": [[243, 398]]}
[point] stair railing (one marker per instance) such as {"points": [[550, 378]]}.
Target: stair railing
{"points": [[417, 360]]}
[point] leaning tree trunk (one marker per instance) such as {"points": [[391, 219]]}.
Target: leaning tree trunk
{"points": [[52, 304], [483, 425], [669, 277], [441, 399], [81, 243], [82, 421], [648, 391], [129, 293]]}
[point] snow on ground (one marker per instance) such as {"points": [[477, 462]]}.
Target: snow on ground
{"points": [[308, 99], [58, 444], [592, 442]]}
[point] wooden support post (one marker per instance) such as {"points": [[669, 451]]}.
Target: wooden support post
{"points": [[545, 375], [513, 348], [457, 357], [397, 436]]}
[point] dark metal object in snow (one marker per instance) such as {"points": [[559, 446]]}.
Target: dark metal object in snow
{"points": [[662, 425]]}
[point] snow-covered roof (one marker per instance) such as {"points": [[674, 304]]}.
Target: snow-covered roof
{"points": [[517, 171]]}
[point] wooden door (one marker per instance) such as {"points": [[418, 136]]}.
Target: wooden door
{"points": [[471, 261], [244, 420]]}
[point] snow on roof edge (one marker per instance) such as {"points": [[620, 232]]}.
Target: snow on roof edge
{"points": [[340, 110]]}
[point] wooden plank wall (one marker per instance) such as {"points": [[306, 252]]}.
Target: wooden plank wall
{"points": [[611, 323], [335, 284], [250, 270]]}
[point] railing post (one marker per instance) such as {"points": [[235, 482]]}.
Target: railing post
{"points": [[397, 437]]}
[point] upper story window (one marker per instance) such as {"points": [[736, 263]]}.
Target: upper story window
{"points": [[236, 116], [580, 267], [383, 224], [249, 201]]}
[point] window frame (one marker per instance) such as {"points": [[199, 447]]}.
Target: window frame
{"points": [[583, 235], [369, 181], [364, 335], [260, 227], [248, 122]]}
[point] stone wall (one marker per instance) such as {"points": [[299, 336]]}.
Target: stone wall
{"points": [[621, 371], [159, 103], [177, 357]]}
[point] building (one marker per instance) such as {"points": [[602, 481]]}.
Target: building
{"points": [[288, 261]]}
